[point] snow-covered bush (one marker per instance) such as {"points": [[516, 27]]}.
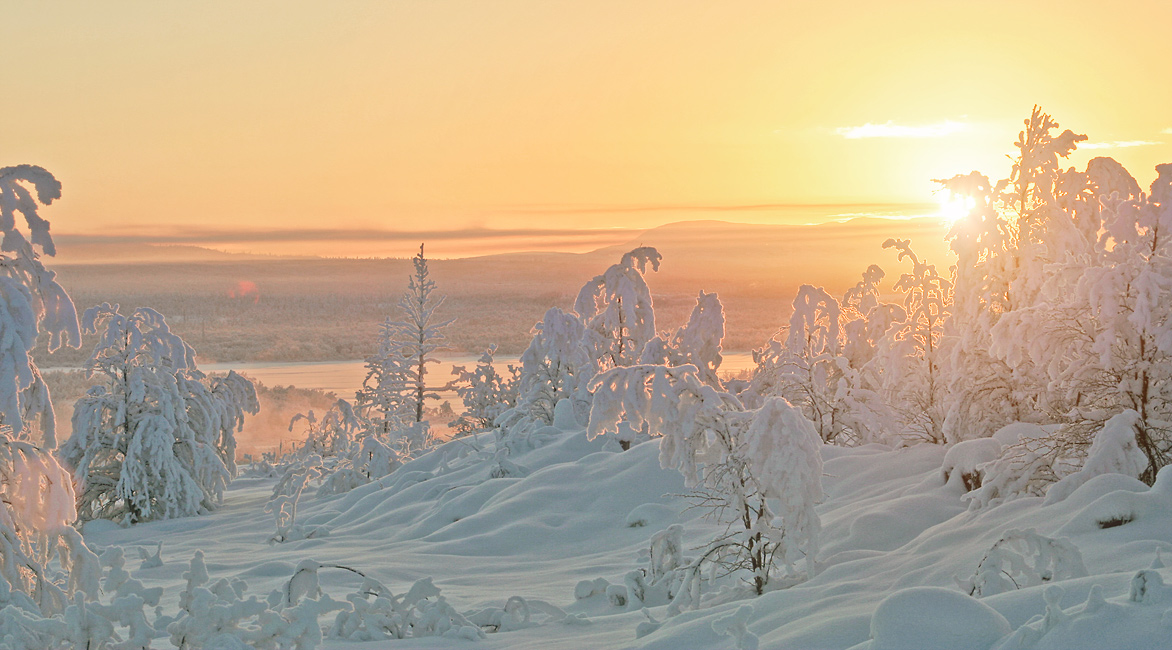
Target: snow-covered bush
{"points": [[1023, 558], [736, 625], [665, 574], [387, 396], [758, 471], [697, 342], [371, 460], [555, 366], [286, 496], [485, 393], [156, 439], [521, 613], [335, 433], [345, 449], [217, 614], [1114, 450], [1027, 468]]}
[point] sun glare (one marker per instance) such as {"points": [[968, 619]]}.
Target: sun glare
{"points": [[954, 207]]}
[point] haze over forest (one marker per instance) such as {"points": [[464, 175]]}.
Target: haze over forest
{"points": [[261, 308]]}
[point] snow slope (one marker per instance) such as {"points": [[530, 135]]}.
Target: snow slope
{"points": [[890, 523]]}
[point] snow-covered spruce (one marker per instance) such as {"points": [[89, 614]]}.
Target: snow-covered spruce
{"points": [[395, 388]]}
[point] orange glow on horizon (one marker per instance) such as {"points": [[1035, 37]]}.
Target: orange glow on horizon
{"points": [[461, 114]]}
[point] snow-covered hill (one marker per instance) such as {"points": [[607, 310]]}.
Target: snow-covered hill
{"points": [[571, 510]]}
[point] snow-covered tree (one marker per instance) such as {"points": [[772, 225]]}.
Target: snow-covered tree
{"points": [[984, 392], [617, 310], [824, 361], [757, 471], [697, 342], [862, 412], [36, 493], [1107, 345], [31, 302], [154, 439], [555, 366], [804, 367], [1030, 192], [485, 393], [395, 389], [911, 366]]}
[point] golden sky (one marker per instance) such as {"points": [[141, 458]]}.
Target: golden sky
{"points": [[176, 118]]}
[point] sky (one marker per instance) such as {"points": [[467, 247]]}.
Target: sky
{"points": [[344, 128]]}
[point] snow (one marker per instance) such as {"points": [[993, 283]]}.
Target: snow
{"points": [[897, 537], [921, 618], [963, 459]]}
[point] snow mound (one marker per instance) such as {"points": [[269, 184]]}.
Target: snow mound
{"points": [[928, 618], [962, 461], [1149, 510], [1016, 432]]}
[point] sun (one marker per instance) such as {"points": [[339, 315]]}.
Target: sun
{"points": [[954, 207]]}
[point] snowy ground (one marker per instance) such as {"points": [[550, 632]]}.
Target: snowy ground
{"points": [[890, 523]]}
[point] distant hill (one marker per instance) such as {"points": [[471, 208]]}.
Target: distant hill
{"points": [[82, 250], [830, 253]]}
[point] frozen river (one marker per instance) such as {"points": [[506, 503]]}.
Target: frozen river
{"points": [[344, 378]]}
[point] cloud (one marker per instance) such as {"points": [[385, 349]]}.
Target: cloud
{"points": [[214, 236], [1167, 130], [893, 130], [1117, 144], [718, 208]]}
